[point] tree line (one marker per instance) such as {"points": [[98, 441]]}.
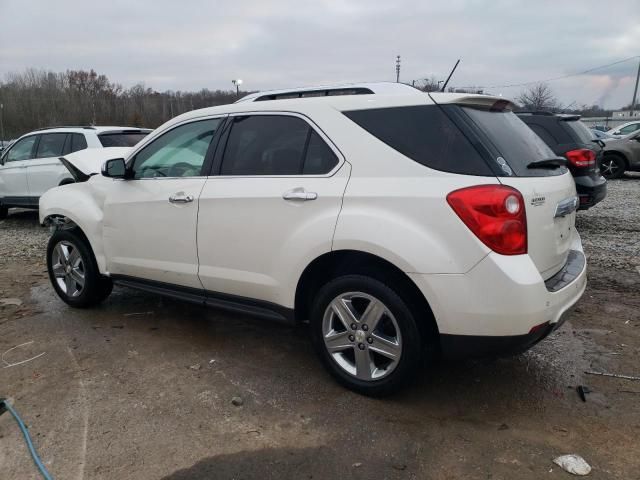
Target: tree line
{"points": [[38, 98]]}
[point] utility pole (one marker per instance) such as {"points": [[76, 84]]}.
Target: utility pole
{"points": [[398, 69], [635, 91], [1, 125]]}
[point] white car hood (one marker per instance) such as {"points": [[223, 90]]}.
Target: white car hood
{"points": [[85, 163]]}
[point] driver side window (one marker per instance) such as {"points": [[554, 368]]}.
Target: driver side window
{"points": [[178, 153]]}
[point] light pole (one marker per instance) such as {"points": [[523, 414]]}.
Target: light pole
{"points": [[397, 68], [237, 82]]}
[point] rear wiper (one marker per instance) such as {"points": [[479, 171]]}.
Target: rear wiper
{"points": [[554, 162]]}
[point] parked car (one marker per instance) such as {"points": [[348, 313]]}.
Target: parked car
{"points": [[624, 129], [31, 165], [621, 155], [600, 135], [396, 225], [567, 136]]}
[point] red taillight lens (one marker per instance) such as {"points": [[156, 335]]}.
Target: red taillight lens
{"points": [[495, 214], [583, 157]]}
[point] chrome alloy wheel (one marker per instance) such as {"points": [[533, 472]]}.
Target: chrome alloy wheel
{"points": [[362, 336], [68, 268], [609, 168]]}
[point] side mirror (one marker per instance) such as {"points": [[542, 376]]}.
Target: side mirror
{"points": [[114, 168]]}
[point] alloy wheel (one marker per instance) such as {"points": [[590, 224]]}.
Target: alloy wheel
{"points": [[609, 168], [362, 336], [68, 268]]}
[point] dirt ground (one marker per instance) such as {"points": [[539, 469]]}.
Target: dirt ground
{"points": [[141, 387]]}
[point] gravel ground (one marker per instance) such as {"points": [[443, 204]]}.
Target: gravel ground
{"points": [[143, 387]]}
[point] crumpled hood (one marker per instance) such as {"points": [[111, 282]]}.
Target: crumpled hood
{"points": [[84, 163]]}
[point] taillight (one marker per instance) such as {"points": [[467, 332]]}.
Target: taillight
{"points": [[582, 157], [495, 214]]}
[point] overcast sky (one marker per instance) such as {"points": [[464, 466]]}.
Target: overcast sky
{"points": [[193, 44]]}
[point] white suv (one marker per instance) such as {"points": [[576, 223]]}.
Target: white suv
{"points": [[397, 225], [31, 165]]}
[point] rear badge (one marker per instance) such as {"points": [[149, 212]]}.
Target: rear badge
{"points": [[537, 201]]}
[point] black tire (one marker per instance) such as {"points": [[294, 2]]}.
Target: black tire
{"points": [[4, 212], [96, 287], [612, 166], [404, 369]]}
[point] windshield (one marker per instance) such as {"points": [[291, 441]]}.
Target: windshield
{"points": [[517, 144]]}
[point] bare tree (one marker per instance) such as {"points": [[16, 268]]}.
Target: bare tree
{"points": [[538, 97], [428, 84], [37, 98]]}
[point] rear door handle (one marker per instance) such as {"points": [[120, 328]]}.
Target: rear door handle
{"points": [[299, 194], [180, 197]]}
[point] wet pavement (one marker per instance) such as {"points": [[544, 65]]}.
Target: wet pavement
{"points": [[141, 387]]}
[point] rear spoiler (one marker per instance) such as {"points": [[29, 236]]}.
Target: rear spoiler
{"points": [[488, 102], [77, 175]]}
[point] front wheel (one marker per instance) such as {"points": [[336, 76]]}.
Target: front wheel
{"points": [[73, 270], [612, 167], [365, 335]]}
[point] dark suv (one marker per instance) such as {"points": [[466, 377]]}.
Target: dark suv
{"points": [[567, 136]]}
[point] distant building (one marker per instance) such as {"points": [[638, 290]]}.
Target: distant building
{"points": [[625, 114]]}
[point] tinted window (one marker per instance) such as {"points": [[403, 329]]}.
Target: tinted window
{"points": [[629, 129], [22, 149], [121, 139], [51, 145], [78, 142], [424, 134], [516, 142], [265, 145], [178, 153], [544, 134], [579, 131], [319, 158]]}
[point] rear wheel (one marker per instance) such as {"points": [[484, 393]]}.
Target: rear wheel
{"points": [[73, 270], [365, 335], [612, 166]]}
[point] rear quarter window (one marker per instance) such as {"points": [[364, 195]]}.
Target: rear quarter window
{"points": [[424, 134], [121, 139]]}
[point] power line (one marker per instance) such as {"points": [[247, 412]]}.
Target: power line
{"points": [[584, 72]]}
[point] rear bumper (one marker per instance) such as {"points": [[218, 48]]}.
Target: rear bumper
{"points": [[502, 305], [591, 190]]}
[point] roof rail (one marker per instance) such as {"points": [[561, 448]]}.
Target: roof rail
{"points": [[86, 127], [312, 92]]}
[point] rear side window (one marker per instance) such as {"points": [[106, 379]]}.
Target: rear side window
{"points": [[51, 145], [514, 140], [426, 135], [78, 142], [275, 145], [121, 139]]}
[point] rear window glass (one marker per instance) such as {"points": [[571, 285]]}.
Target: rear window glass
{"points": [[121, 139], [516, 142], [579, 131], [426, 135]]}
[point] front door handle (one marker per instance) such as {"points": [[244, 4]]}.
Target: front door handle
{"points": [[299, 194], [180, 197]]}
